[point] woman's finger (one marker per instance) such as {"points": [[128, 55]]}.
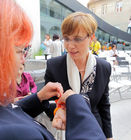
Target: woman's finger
{"points": [[57, 123], [65, 96], [63, 126], [58, 87]]}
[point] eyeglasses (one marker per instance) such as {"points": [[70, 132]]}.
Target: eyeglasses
{"points": [[20, 51], [75, 39]]}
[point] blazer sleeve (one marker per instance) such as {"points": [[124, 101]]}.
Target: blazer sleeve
{"points": [[50, 74], [104, 107], [32, 106], [81, 123]]}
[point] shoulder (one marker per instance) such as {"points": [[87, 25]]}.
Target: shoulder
{"points": [[26, 74], [57, 60], [56, 65], [103, 65], [102, 62]]}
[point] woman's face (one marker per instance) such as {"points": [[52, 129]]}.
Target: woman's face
{"points": [[19, 56], [77, 44], [21, 70], [47, 37]]}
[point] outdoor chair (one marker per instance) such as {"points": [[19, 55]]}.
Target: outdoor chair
{"points": [[120, 58], [124, 67], [120, 82], [123, 63]]}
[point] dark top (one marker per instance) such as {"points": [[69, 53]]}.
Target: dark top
{"points": [[99, 95], [15, 124]]}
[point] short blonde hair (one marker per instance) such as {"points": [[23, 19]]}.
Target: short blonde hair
{"points": [[77, 21]]}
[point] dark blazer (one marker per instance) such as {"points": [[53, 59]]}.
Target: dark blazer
{"points": [[15, 124], [99, 96]]}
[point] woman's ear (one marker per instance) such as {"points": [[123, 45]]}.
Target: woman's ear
{"points": [[92, 36]]}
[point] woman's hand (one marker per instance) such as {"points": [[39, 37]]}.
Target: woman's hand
{"points": [[109, 139], [21, 97], [50, 90], [18, 98], [59, 121], [63, 98]]}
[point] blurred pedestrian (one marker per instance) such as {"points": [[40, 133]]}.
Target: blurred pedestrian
{"points": [[129, 26], [47, 42], [95, 46], [113, 52], [56, 48]]}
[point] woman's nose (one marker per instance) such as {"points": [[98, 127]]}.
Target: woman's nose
{"points": [[71, 44], [22, 59]]}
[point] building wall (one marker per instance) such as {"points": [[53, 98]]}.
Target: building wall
{"points": [[109, 10], [32, 9]]}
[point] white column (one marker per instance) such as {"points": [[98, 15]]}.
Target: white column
{"points": [[32, 9]]}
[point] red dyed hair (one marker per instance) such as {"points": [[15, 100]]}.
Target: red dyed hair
{"points": [[15, 30]]}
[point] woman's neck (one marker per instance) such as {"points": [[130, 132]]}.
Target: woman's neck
{"points": [[18, 79], [81, 63]]}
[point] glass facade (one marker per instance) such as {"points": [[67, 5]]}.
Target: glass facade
{"points": [[52, 14]]}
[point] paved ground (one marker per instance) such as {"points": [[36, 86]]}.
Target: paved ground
{"points": [[121, 116]]}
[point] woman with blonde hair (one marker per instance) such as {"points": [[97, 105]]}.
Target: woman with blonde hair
{"points": [[80, 70], [16, 122]]}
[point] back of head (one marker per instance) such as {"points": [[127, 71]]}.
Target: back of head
{"points": [[15, 30], [55, 37], [77, 21], [114, 46]]}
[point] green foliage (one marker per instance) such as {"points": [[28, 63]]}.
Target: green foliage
{"points": [[38, 53]]}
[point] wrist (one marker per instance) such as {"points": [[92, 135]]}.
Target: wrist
{"points": [[40, 97]]}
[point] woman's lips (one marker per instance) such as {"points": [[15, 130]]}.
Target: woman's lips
{"points": [[73, 53]]}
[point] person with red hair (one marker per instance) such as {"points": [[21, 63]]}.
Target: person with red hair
{"points": [[16, 122], [15, 32]]}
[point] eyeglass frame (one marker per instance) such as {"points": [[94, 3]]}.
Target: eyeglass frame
{"points": [[75, 39], [21, 51]]}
